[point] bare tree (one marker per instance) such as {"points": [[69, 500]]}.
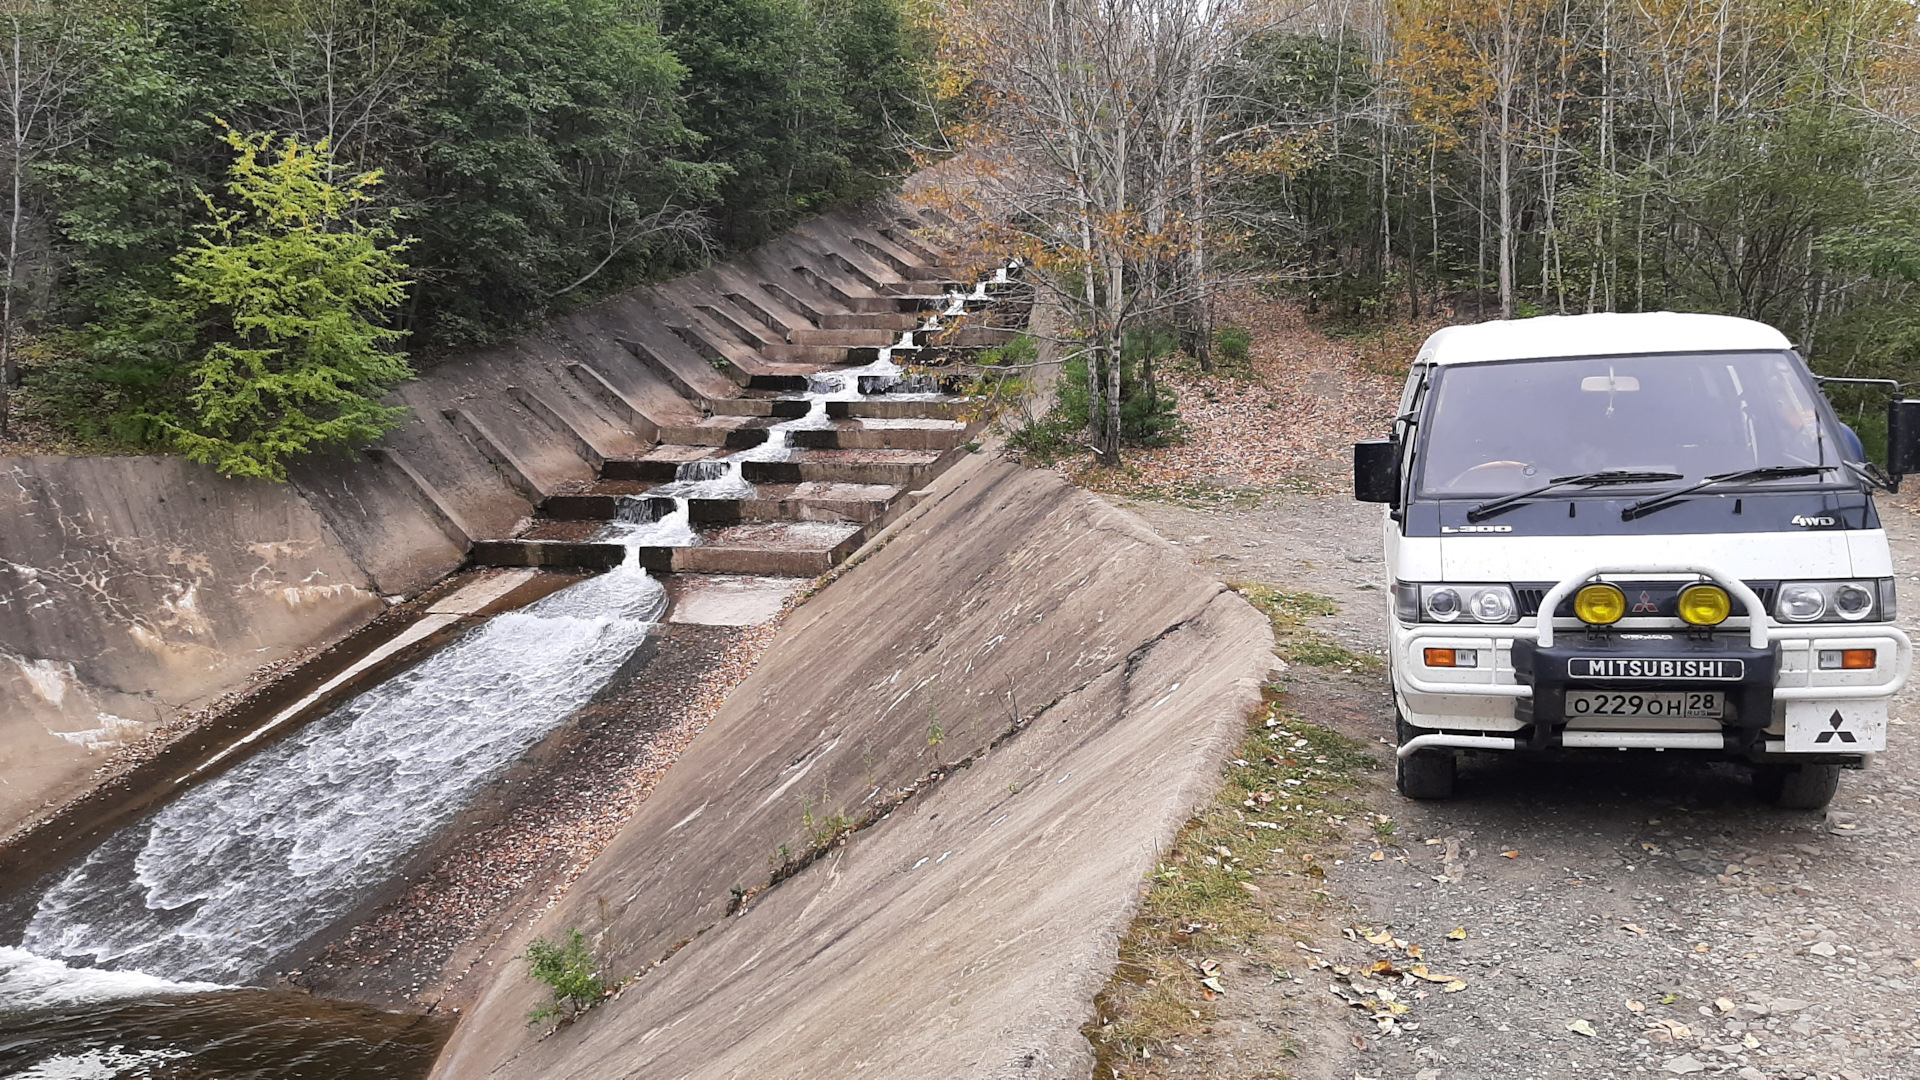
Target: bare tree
{"points": [[41, 68], [1091, 146]]}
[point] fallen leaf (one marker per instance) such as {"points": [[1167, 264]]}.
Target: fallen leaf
{"points": [[1635, 929], [1437, 842], [1358, 1044], [1458, 933], [1509, 854], [1703, 948], [1382, 938], [1750, 1042], [1725, 1005], [1378, 856], [1416, 951], [1453, 987], [1212, 983], [1635, 1006], [1383, 969], [1581, 1027], [1670, 1031]]}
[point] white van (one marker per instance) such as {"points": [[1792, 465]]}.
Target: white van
{"points": [[1676, 496]]}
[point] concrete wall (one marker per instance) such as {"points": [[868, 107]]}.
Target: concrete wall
{"points": [[136, 589], [966, 933]]}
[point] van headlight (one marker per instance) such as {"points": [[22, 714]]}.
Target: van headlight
{"points": [[1834, 601], [1455, 603]]}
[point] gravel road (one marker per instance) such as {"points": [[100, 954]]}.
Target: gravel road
{"points": [[1621, 919]]}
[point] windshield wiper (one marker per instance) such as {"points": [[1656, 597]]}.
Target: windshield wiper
{"points": [[1765, 472], [1593, 479]]}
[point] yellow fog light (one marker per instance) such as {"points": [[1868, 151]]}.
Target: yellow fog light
{"points": [[1600, 604], [1704, 605]]}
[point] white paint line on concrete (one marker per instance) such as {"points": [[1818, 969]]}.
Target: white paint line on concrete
{"points": [[475, 595]]}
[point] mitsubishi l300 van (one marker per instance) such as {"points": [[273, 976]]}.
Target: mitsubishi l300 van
{"points": [[1635, 534]]}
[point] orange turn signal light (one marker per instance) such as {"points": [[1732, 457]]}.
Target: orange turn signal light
{"points": [[1453, 658], [1844, 659]]}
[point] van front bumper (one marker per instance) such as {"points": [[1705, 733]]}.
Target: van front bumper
{"points": [[1783, 705]]}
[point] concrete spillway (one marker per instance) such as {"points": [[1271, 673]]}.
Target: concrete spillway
{"points": [[235, 874]]}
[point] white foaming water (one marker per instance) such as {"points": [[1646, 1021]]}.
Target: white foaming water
{"points": [[242, 868], [722, 478], [98, 1064], [33, 983], [639, 524]]}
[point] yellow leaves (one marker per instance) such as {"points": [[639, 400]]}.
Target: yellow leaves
{"points": [[1458, 933]]}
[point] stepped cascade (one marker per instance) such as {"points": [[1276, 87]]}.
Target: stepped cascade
{"points": [[826, 436]]}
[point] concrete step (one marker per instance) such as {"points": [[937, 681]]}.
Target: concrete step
{"points": [[781, 408], [657, 466], [884, 408], [770, 548], [851, 337], [856, 503], [910, 434], [744, 432], [523, 552], [730, 432], [895, 321], [899, 468]]}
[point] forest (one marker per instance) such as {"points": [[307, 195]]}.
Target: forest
{"points": [[1499, 158], [440, 173], [443, 173]]}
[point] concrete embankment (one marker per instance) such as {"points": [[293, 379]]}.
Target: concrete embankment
{"points": [[136, 590], [908, 843]]}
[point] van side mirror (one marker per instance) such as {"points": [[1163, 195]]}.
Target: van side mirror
{"points": [[1376, 468], [1903, 437]]}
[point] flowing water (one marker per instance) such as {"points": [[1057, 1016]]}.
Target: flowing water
{"points": [[211, 890], [134, 962], [659, 517]]}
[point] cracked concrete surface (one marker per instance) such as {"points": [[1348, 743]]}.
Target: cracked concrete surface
{"points": [[131, 588], [965, 932]]}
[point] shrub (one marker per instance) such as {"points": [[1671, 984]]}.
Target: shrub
{"points": [[1231, 344], [568, 968]]}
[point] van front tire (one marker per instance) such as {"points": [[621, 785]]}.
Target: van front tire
{"points": [[1423, 774], [1426, 774], [1797, 787]]}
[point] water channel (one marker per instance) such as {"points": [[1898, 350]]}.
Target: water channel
{"points": [[142, 960]]}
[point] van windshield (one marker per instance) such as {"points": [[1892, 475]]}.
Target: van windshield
{"points": [[1497, 428]]}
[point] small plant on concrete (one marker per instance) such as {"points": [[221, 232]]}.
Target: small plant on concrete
{"points": [[568, 968]]}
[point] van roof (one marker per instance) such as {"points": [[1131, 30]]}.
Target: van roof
{"points": [[1599, 334]]}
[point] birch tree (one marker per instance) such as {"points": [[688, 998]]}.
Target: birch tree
{"points": [[1092, 146], [40, 78]]}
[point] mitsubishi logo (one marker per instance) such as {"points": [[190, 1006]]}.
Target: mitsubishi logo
{"points": [[1646, 602], [1835, 722]]}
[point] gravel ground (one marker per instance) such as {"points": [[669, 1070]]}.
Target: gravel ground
{"points": [[1607, 919], [1662, 908]]}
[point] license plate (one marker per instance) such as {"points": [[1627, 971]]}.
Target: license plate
{"points": [[1647, 704]]}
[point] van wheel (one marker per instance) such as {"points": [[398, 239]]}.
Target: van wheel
{"points": [[1797, 787], [1423, 774]]}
